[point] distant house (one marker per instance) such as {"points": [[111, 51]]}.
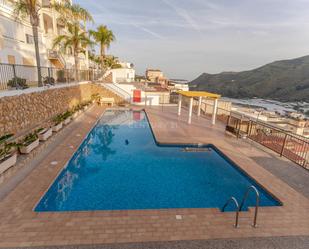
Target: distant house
{"points": [[176, 85], [156, 76], [125, 74]]}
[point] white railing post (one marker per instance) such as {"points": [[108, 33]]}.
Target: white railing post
{"points": [[190, 110], [199, 106], [179, 104], [214, 111]]}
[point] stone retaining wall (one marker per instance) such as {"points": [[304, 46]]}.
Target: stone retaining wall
{"points": [[22, 113]]}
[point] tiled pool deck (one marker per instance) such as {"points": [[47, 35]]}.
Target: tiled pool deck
{"points": [[20, 226]]}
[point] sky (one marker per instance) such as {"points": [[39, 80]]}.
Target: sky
{"points": [[185, 38]]}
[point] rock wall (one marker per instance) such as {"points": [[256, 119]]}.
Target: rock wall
{"points": [[21, 113]]}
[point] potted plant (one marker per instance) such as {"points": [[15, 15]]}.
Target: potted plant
{"points": [[80, 108], [86, 105], [61, 76], [44, 133], [48, 80], [29, 143], [57, 123], [95, 97], [75, 111], [66, 117], [8, 155], [17, 82]]}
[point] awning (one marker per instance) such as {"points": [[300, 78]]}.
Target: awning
{"points": [[200, 95], [192, 94]]}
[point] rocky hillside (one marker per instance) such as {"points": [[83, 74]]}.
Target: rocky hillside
{"points": [[286, 80]]}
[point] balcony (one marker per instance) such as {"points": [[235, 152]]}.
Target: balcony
{"points": [[56, 58]]}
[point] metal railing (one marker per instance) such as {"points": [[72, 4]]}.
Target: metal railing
{"points": [[239, 207], [291, 146], [118, 91], [14, 76], [257, 203], [233, 199], [56, 55]]}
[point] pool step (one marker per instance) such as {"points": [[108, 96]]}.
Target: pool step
{"points": [[190, 149]]}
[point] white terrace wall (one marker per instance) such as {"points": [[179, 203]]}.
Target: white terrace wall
{"points": [[21, 113]]}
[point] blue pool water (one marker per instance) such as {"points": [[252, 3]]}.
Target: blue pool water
{"points": [[119, 166]]}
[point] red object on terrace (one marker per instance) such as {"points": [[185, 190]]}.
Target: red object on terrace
{"points": [[137, 96]]}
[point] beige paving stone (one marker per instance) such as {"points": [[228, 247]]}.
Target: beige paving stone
{"points": [[21, 226]]}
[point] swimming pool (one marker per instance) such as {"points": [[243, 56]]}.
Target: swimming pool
{"points": [[119, 166]]}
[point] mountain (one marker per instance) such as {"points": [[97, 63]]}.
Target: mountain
{"points": [[286, 80]]}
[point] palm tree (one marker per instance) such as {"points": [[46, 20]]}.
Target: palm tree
{"points": [[77, 39], [72, 12], [111, 62], [104, 37], [31, 8], [94, 58]]}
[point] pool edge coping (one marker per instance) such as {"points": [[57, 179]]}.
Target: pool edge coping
{"points": [[160, 144]]}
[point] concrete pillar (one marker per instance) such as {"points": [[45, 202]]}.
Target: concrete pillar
{"points": [[214, 112], [190, 110], [179, 104], [199, 106]]}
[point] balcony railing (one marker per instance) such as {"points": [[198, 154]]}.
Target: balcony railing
{"points": [[291, 146], [288, 145], [14, 77]]}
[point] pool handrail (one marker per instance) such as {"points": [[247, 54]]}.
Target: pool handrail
{"points": [[257, 203], [233, 199]]}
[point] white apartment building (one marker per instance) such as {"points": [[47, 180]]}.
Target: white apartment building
{"points": [[125, 74], [16, 39]]}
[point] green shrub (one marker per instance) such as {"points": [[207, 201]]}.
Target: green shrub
{"points": [[58, 119], [116, 66], [61, 76], [6, 148], [66, 115], [17, 83], [63, 116], [49, 80], [95, 96], [29, 139]]}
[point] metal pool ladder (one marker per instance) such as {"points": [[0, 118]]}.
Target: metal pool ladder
{"points": [[239, 207], [233, 199]]}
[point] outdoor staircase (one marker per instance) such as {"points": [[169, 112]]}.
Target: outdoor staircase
{"points": [[118, 91]]}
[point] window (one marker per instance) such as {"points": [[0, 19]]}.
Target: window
{"points": [[12, 29], [29, 39], [28, 61], [11, 59]]}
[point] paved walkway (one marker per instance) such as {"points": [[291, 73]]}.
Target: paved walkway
{"points": [[20, 226], [252, 243]]}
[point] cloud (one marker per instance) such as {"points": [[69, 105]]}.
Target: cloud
{"points": [[184, 14], [236, 35], [148, 31]]}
